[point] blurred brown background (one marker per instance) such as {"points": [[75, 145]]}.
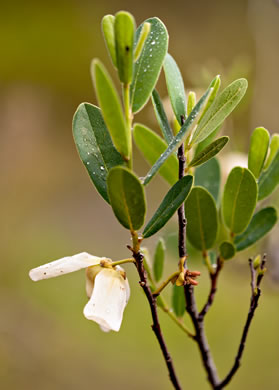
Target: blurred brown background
{"points": [[50, 209]]}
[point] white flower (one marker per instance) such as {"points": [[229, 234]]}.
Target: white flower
{"points": [[108, 291]]}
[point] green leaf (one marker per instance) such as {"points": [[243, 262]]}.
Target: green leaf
{"points": [[159, 257], [221, 107], [161, 116], [258, 150], [94, 145], [141, 41], [215, 85], [210, 151], [124, 29], [111, 109], [127, 199], [209, 176], [108, 33], [177, 140], [269, 179], [178, 300], [191, 102], [171, 202], [227, 250], [207, 141], [273, 149], [261, 223], [239, 199], [175, 87], [152, 146], [202, 220], [148, 66]]}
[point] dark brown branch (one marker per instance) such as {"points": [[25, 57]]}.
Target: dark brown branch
{"points": [[255, 296], [213, 289], [191, 306], [156, 325], [200, 336]]}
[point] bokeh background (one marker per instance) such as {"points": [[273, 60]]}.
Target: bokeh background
{"points": [[50, 208]]}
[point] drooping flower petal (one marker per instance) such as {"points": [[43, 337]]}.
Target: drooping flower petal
{"points": [[109, 298], [64, 266]]}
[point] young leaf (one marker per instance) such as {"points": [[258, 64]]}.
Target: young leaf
{"points": [[177, 140], [202, 220], [221, 107], [171, 202], [239, 199], [258, 150], [141, 41], [191, 102], [178, 300], [175, 87], [152, 146], [111, 109], [124, 29], [127, 198], [161, 116], [210, 151], [273, 149], [269, 179], [108, 33], [159, 257], [215, 85], [209, 176], [261, 223], [227, 250], [95, 146], [148, 66]]}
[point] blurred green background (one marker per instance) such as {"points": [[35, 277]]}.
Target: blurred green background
{"points": [[50, 209]]}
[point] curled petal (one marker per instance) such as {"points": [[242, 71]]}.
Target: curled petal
{"points": [[109, 298], [64, 266]]}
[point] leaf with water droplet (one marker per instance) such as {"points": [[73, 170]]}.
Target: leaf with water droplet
{"points": [[94, 145], [144, 82]]}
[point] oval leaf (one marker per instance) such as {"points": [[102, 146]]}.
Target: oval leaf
{"points": [[161, 116], [261, 223], [209, 176], [178, 300], [210, 151], [269, 179], [273, 149], [202, 220], [159, 257], [111, 109], [239, 199], [124, 30], [227, 250], [152, 146], [127, 198], [221, 107], [147, 67], [108, 33], [258, 150], [175, 87], [95, 146], [177, 140], [171, 202], [141, 40]]}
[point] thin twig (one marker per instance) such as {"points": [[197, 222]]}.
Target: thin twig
{"points": [[213, 289], [255, 296], [156, 325]]}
